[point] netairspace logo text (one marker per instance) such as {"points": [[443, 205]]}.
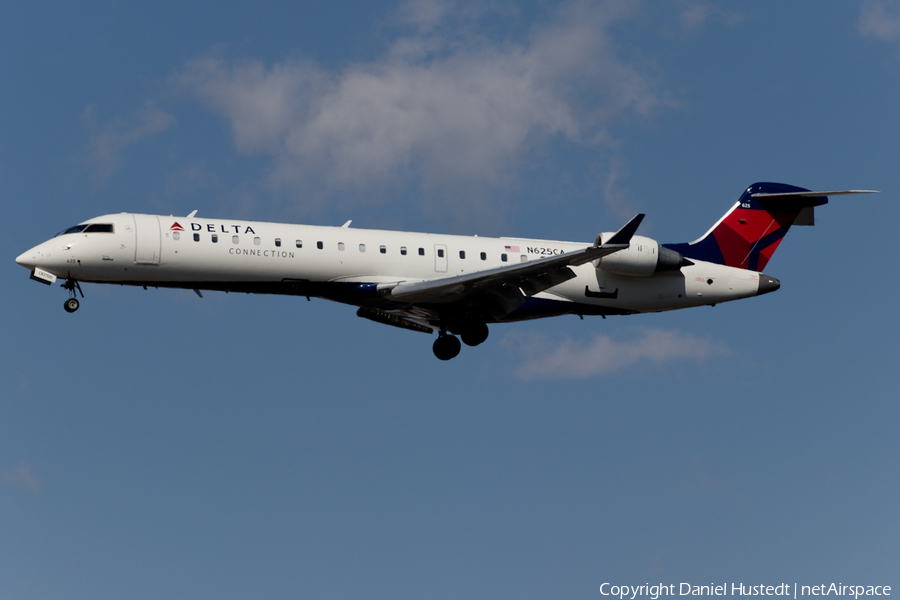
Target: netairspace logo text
{"points": [[654, 592]]}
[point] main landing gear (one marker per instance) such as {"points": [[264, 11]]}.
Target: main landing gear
{"points": [[71, 305], [447, 346], [474, 333]]}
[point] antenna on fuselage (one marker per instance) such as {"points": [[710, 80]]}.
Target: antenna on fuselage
{"points": [[192, 214]]}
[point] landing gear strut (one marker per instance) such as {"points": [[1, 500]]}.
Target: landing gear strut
{"points": [[446, 346], [71, 305]]}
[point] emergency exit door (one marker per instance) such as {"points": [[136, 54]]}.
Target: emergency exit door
{"points": [[440, 258]]}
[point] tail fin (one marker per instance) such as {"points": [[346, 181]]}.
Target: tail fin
{"points": [[748, 235]]}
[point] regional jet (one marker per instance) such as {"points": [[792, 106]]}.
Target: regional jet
{"points": [[450, 284]]}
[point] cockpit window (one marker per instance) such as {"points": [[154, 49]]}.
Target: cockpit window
{"points": [[88, 228], [76, 229]]}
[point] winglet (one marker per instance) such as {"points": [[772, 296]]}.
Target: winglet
{"points": [[192, 215], [623, 236]]}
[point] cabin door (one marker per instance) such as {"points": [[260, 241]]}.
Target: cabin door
{"points": [[146, 240]]}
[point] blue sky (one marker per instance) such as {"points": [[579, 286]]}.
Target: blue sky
{"points": [[156, 444]]}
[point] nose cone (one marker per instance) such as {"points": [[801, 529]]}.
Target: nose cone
{"points": [[35, 257], [27, 259], [767, 284]]}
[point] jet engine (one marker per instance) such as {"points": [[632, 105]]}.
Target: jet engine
{"points": [[642, 258]]}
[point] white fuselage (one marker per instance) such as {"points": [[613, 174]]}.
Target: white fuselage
{"points": [[346, 264]]}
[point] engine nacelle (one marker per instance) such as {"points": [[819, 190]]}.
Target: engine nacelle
{"points": [[642, 258]]}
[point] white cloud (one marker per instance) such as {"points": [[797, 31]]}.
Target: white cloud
{"points": [[880, 20], [616, 196], [570, 359], [22, 477], [110, 141], [449, 110], [424, 14], [694, 15]]}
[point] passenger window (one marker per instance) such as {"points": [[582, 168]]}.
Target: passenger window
{"points": [[421, 251], [440, 253], [196, 237], [462, 253], [503, 257], [215, 239], [299, 243], [236, 239], [403, 250], [524, 258], [320, 245], [341, 246], [278, 242], [176, 235], [256, 241], [382, 249], [484, 256], [362, 247]]}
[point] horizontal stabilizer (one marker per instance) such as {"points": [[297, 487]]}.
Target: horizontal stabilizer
{"points": [[810, 194]]}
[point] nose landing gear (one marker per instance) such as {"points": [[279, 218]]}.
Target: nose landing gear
{"points": [[71, 305]]}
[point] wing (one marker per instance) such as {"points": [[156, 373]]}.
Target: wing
{"points": [[509, 286]]}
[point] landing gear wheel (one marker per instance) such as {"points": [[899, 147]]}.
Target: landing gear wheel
{"points": [[71, 305], [474, 333], [446, 347]]}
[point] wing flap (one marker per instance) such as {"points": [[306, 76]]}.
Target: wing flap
{"points": [[534, 284]]}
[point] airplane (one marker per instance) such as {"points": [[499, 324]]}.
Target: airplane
{"points": [[449, 284]]}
